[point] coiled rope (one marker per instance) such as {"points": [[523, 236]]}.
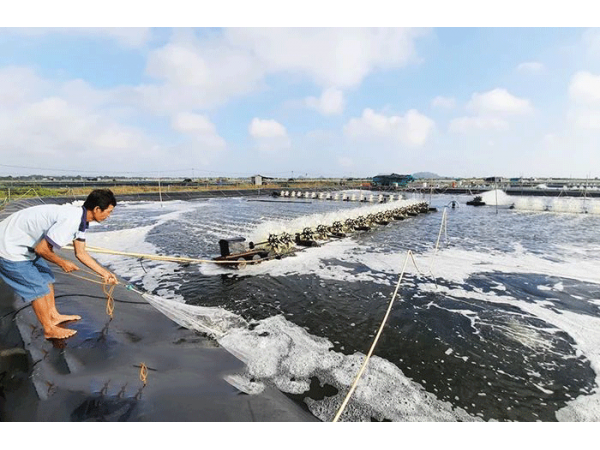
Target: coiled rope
{"points": [[143, 373], [110, 300], [107, 288]]}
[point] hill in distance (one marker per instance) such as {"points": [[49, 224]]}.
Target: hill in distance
{"points": [[425, 175]]}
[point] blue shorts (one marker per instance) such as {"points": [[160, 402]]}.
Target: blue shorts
{"points": [[29, 279]]}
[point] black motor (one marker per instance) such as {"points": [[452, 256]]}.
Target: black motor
{"points": [[232, 245]]}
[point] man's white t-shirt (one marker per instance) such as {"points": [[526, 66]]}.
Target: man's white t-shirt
{"points": [[22, 231]]}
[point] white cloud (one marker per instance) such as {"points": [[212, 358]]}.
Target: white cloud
{"points": [[549, 139], [71, 124], [530, 66], [584, 93], [585, 118], [591, 42], [65, 132], [498, 101], [443, 102], [412, 129], [198, 75], [178, 65], [585, 88], [133, 37], [270, 136], [266, 128], [192, 123], [129, 37], [340, 57], [198, 127], [331, 102], [491, 112], [19, 85], [466, 124], [194, 73]]}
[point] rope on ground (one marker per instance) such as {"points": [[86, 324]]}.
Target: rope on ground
{"points": [[143, 373], [110, 300], [364, 365], [107, 288]]}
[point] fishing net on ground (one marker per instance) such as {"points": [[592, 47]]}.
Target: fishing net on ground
{"points": [[213, 321]]}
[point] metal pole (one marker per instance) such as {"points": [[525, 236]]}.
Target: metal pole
{"points": [[159, 192], [496, 185]]}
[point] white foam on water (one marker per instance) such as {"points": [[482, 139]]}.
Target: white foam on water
{"points": [[281, 353], [496, 196], [573, 205], [525, 335], [457, 265], [587, 252], [545, 391], [214, 321]]}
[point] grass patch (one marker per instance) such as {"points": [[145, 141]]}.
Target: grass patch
{"points": [[33, 191]]}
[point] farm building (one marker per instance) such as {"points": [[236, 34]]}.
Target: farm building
{"points": [[392, 179]]}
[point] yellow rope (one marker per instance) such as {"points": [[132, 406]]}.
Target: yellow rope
{"points": [[144, 373], [108, 290], [167, 258], [110, 301], [88, 279], [364, 364], [443, 226]]}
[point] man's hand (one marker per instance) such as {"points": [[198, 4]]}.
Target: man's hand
{"points": [[44, 249], [68, 266], [109, 278], [83, 256]]}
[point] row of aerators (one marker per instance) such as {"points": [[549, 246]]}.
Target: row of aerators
{"points": [[347, 197], [276, 246]]}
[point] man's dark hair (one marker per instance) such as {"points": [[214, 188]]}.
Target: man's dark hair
{"points": [[100, 197]]}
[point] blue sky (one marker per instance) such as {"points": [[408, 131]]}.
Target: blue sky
{"points": [[330, 102]]}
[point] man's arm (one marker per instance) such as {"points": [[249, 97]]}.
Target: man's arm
{"points": [[44, 249], [83, 256]]}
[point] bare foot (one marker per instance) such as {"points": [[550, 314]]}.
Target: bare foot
{"points": [[59, 333], [61, 318]]}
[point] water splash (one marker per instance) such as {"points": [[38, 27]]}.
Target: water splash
{"points": [[262, 231], [573, 205]]}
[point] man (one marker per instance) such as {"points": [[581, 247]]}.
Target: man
{"points": [[28, 239]]}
